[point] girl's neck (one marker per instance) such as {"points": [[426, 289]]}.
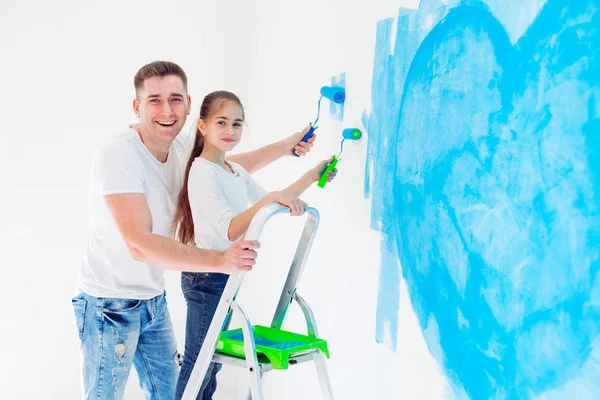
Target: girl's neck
{"points": [[215, 155]]}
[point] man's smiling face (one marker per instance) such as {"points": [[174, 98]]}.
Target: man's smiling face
{"points": [[162, 105]]}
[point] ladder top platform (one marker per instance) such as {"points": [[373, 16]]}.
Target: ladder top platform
{"points": [[276, 344]]}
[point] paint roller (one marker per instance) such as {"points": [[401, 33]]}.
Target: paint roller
{"points": [[332, 93], [347, 134]]}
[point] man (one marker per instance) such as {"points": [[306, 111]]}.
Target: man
{"points": [[121, 312]]}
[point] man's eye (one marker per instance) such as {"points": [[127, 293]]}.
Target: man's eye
{"points": [[154, 101], [176, 100]]}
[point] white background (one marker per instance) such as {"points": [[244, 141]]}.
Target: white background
{"points": [[66, 87]]}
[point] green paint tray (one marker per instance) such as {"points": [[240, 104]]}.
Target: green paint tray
{"points": [[276, 345]]}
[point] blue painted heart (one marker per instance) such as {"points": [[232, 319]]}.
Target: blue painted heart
{"points": [[496, 197]]}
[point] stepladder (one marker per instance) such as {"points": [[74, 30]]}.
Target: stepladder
{"points": [[260, 349]]}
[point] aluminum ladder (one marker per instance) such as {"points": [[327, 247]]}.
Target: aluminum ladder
{"points": [[257, 369]]}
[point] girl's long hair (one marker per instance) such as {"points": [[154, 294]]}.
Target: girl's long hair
{"points": [[183, 223]]}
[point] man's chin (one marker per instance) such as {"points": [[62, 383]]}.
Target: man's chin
{"points": [[169, 138], [168, 134]]}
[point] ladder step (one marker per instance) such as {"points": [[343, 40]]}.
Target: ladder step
{"points": [[275, 344]]}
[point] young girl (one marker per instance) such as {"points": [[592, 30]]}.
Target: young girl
{"points": [[212, 212]]}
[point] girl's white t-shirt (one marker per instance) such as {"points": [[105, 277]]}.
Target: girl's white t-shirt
{"points": [[216, 196]]}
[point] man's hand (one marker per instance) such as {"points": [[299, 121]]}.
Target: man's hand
{"points": [[240, 257], [294, 143]]}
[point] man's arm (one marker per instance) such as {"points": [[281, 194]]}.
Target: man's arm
{"points": [[252, 161], [132, 216]]}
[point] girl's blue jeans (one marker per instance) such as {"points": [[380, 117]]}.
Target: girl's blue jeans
{"points": [[202, 292]]}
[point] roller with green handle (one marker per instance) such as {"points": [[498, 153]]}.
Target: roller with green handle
{"points": [[330, 168], [348, 133]]}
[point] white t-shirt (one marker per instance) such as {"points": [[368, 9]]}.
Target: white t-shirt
{"points": [[125, 165], [216, 196]]}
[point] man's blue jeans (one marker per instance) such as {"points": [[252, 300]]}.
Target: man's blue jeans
{"points": [[118, 333], [202, 292]]}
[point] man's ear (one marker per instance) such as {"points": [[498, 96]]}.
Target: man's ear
{"points": [[136, 107]]}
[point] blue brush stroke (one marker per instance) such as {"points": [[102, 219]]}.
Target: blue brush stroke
{"points": [[337, 110], [388, 297], [490, 134]]}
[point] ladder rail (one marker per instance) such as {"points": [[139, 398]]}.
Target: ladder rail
{"points": [[250, 351], [296, 268], [320, 360], [323, 375], [311, 322]]}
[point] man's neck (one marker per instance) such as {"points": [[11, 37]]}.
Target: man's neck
{"points": [[160, 151]]}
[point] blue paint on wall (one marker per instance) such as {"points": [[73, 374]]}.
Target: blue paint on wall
{"points": [[484, 172]]}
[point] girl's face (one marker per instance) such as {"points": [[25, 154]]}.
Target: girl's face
{"points": [[223, 130]]}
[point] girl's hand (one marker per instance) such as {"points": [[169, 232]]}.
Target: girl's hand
{"points": [[320, 168], [292, 202], [294, 143]]}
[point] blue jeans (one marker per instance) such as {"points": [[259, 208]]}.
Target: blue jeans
{"points": [[118, 333], [202, 292]]}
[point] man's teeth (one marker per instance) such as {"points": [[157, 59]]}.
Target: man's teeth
{"points": [[166, 123]]}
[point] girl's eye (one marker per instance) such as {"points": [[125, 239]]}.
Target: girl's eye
{"points": [[221, 122], [237, 125]]}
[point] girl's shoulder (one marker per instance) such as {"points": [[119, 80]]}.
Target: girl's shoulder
{"points": [[202, 167]]}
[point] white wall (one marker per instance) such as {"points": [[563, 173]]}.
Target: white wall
{"points": [[66, 88]]}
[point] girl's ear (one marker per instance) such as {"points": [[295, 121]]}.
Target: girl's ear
{"points": [[201, 126]]}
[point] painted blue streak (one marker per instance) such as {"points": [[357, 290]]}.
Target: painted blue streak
{"points": [[388, 298]]}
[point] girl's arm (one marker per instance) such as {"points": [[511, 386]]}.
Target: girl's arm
{"points": [[288, 197], [240, 223], [252, 161]]}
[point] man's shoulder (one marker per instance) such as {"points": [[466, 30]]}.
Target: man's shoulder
{"points": [[127, 140], [121, 148]]}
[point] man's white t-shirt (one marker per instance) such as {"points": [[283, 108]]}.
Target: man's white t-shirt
{"points": [[125, 165], [216, 196]]}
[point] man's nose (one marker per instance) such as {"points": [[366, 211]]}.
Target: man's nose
{"points": [[166, 108]]}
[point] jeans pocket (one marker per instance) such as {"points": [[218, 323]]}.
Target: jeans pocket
{"points": [[214, 283], [115, 305], [187, 281], [79, 307]]}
